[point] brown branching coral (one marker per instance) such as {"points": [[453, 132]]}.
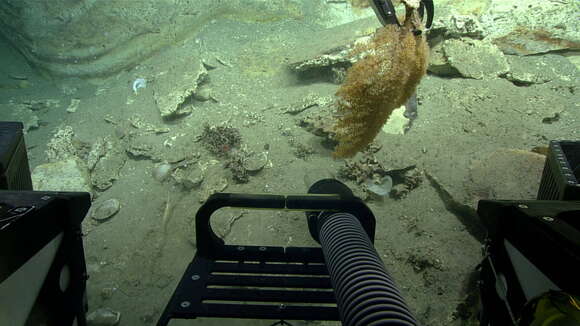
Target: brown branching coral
{"points": [[393, 63]]}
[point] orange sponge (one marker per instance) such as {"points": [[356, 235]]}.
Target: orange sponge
{"points": [[393, 63]]}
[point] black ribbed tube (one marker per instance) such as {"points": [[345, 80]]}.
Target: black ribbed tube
{"points": [[365, 293]]}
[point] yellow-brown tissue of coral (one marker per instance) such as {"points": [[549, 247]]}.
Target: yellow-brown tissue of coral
{"points": [[394, 62]]}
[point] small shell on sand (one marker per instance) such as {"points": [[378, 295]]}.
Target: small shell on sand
{"points": [[105, 210], [104, 317]]}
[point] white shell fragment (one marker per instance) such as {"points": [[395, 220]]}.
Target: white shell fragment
{"points": [[104, 317], [139, 83], [105, 210], [382, 189], [162, 171]]}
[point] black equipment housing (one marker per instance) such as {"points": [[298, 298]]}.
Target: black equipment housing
{"points": [[14, 170], [532, 246], [267, 272], [29, 221], [37, 224]]}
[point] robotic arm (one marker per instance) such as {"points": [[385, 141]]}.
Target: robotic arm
{"points": [[385, 11]]}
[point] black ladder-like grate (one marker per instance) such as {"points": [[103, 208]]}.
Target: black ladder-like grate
{"points": [[271, 283]]}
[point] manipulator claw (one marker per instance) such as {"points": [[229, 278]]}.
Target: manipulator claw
{"points": [[385, 11]]}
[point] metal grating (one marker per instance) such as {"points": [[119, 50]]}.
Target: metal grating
{"points": [[291, 284], [561, 174], [14, 170]]}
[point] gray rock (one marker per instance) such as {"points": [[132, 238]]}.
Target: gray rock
{"points": [[468, 58], [60, 146], [67, 175], [141, 150], [438, 63], [339, 58], [215, 179], [188, 178], [455, 26], [98, 150], [328, 52], [530, 70], [105, 210], [174, 90], [108, 165], [475, 59]]}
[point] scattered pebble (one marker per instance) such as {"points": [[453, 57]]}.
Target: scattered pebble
{"points": [[73, 106]]}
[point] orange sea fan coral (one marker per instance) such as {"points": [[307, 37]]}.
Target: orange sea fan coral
{"points": [[393, 63]]}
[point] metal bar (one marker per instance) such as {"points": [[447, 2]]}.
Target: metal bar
{"points": [[273, 254], [262, 312], [270, 295], [270, 281], [265, 268]]}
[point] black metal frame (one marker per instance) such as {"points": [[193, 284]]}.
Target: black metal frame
{"points": [[561, 174], [546, 232], [260, 282], [14, 169], [29, 220]]}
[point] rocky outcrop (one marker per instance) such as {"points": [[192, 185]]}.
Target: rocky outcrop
{"points": [[90, 38], [531, 27], [522, 27]]}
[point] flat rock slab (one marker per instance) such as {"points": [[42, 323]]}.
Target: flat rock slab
{"points": [[506, 174], [530, 70], [468, 58], [174, 89], [67, 175]]}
